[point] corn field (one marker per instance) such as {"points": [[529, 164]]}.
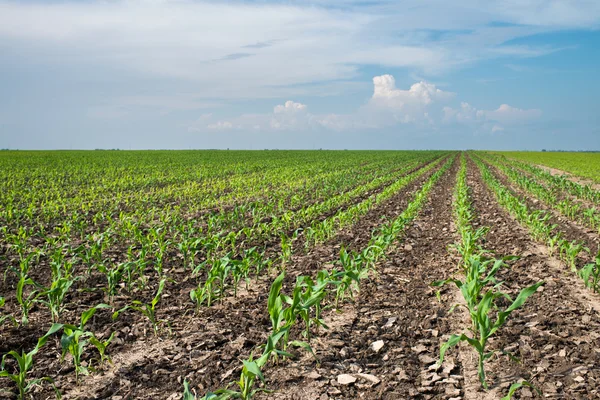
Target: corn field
{"points": [[296, 275]]}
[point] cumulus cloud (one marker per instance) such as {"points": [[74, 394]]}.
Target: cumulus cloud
{"points": [[423, 106], [510, 115], [289, 107], [421, 92], [489, 120]]}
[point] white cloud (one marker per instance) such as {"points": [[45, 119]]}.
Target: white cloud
{"points": [[510, 115], [390, 105], [421, 92], [489, 120], [423, 106], [289, 107]]}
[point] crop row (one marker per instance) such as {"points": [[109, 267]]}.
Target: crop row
{"points": [[307, 299], [479, 287], [551, 197], [537, 222]]}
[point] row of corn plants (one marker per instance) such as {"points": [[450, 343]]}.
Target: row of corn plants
{"points": [[227, 271], [75, 340], [537, 222], [308, 299], [558, 182], [155, 245], [479, 286], [551, 197]]}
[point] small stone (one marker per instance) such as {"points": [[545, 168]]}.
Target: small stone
{"points": [[419, 349], [426, 359], [579, 379], [376, 346], [390, 322], [408, 247], [370, 378], [346, 379], [313, 375]]}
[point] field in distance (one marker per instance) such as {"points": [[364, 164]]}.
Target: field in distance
{"points": [[585, 165]]}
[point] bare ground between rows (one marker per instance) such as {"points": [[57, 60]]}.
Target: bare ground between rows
{"points": [[206, 348], [397, 307], [570, 230], [556, 335]]}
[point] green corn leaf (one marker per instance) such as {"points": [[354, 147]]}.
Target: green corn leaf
{"points": [[518, 385], [253, 368]]}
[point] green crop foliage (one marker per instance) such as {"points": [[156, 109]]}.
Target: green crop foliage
{"points": [[75, 339], [27, 293], [118, 222], [485, 324], [147, 309], [55, 296], [581, 164], [591, 274], [479, 287], [536, 221], [24, 365]]}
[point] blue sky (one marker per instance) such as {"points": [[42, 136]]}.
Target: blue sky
{"points": [[300, 74]]}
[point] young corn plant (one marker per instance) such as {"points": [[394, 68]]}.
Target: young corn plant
{"points": [[485, 326], [24, 364], [571, 251], [147, 309], [591, 274], [75, 339], [114, 275], [553, 242], [55, 296], [26, 298]]}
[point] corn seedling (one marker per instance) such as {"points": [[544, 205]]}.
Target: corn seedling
{"points": [[75, 339], [591, 274], [25, 364], [484, 325], [26, 298], [55, 296], [571, 251], [147, 309], [518, 385]]}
